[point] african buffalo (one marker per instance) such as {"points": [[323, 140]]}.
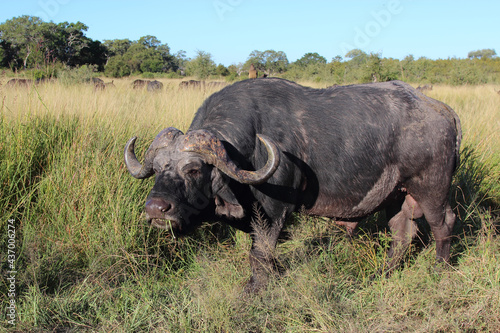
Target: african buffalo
{"points": [[99, 86], [215, 84], [45, 80], [154, 86], [343, 152], [19, 83], [138, 84], [425, 87], [94, 80], [191, 84]]}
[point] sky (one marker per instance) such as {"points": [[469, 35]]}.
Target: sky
{"points": [[231, 29]]}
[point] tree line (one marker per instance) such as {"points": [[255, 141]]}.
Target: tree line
{"points": [[46, 49]]}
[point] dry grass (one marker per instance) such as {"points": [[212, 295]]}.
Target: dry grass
{"points": [[479, 110], [119, 105]]}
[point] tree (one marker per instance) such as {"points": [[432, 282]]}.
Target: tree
{"points": [[20, 36], [276, 61], [117, 46], [117, 67], [93, 53], [221, 70], [257, 59], [357, 56], [310, 66], [355, 68], [149, 42], [337, 58], [482, 54], [269, 61], [73, 41], [29, 42], [373, 69], [144, 55], [310, 59], [407, 66], [180, 59], [202, 66]]}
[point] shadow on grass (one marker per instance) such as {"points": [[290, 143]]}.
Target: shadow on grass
{"points": [[474, 202]]}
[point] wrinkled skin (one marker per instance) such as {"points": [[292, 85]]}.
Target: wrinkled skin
{"points": [[341, 152], [189, 175]]}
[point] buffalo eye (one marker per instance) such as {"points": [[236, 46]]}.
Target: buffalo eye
{"points": [[193, 172], [192, 169]]}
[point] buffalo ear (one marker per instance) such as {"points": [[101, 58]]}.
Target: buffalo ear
{"points": [[226, 203]]}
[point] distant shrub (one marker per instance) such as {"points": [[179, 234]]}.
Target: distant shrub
{"points": [[232, 77], [76, 75], [148, 75], [117, 67], [172, 75]]}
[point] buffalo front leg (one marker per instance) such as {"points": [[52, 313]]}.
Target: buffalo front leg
{"points": [[262, 256], [350, 227]]}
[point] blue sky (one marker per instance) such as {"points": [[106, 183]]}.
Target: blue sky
{"points": [[230, 29]]}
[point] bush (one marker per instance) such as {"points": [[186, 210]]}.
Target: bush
{"points": [[76, 75], [148, 75], [117, 67], [173, 75]]}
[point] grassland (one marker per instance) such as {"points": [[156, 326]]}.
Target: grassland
{"points": [[85, 262]]}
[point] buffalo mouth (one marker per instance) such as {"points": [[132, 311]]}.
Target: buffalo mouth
{"points": [[159, 223], [165, 224]]}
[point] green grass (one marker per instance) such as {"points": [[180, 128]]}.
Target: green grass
{"points": [[86, 262]]}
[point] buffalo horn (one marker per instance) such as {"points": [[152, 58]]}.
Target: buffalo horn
{"points": [[145, 170], [213, 151]]}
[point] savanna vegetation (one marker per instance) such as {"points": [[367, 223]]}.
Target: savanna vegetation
{"points": [[85, 261], [39, 50]]}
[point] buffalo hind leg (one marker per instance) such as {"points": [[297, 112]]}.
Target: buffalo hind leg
{"points": [[262, 258], [441, 219], [403, 229]]}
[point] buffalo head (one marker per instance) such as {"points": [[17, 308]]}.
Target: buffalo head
{"points": [[190, 180]]}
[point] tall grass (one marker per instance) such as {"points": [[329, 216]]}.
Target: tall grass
{"points": [[86, 262], [479, 111]]}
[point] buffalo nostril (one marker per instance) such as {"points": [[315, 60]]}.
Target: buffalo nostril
{"points": [[156, 207], [166, 207]]}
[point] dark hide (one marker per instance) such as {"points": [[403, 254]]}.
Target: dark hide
{"points": [[346, 152], [138, 84], [154, 86]]}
